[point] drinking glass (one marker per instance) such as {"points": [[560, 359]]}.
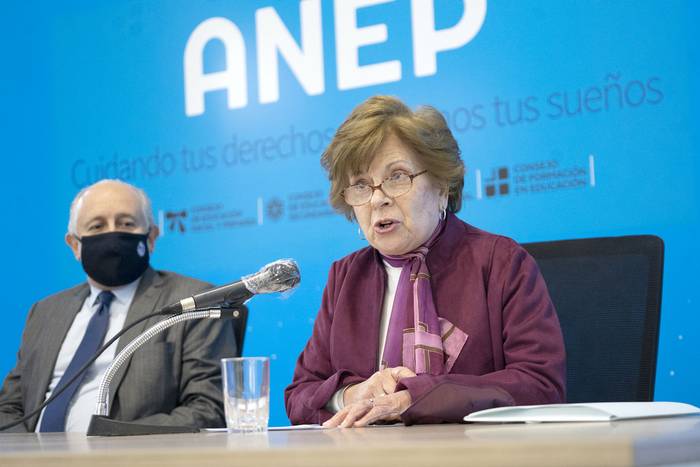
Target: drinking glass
{"points": [[246, 393]]}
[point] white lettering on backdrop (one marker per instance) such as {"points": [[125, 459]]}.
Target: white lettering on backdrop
{"points": [[306, 60]]}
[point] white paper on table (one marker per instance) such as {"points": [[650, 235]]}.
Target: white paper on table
{"points": [[296, 427], [273, 428], [321, 427], [588, 412]]}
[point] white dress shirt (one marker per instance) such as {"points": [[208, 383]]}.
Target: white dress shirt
{"points": [[336, 402], [392, 284], [84, 401]]}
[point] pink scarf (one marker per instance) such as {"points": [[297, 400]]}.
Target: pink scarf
{"points": [[417, 337]]}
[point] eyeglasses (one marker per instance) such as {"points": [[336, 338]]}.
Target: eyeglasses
{"points": [[397, 184]]}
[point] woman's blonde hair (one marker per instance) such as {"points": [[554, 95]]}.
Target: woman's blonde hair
{"points": [[424, 131]]}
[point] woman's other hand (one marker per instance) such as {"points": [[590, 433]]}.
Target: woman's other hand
{"points": [[387, 407], [379, 384]]}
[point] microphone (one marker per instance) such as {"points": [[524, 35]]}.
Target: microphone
{"points": [[277, 276]]}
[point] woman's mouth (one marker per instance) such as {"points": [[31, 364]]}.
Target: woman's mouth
{"points": [[385, 226]]}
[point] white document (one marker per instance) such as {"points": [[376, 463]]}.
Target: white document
{"points": [[590, 412], [296, 427], [274, 428]]}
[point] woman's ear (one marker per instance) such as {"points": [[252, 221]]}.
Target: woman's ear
{"points": [[444, 199]]}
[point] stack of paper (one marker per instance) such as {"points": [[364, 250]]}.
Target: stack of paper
{"points": [[590, 412]]}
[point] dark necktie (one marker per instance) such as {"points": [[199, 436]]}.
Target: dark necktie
{"points": [[54, 418]]}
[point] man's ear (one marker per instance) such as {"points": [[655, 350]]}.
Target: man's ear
{"points": [[74, 245], [153, 235]]}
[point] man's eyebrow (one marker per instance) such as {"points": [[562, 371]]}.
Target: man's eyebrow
{"points": [[99, 217]]}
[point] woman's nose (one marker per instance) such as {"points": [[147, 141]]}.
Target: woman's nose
{"points": [[379, 198]]}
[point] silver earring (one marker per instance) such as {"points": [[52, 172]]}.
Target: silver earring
{"points": [[443, 214], [361, 234]]}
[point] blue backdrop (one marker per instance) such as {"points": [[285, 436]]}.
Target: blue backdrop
{"points": [[575, 118]]}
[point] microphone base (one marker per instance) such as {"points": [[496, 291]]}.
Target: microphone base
{"points": [[101, 425]]}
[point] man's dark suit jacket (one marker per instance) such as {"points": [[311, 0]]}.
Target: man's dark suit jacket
{"points": [[173, 379]]}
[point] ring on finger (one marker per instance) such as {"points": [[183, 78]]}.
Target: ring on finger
{"points": [[371, 402]]}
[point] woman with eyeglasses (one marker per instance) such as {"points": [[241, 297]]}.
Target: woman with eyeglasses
{"points": [[435, 318]]}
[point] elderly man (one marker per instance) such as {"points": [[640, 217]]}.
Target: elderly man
{"points": [[174, 379]]}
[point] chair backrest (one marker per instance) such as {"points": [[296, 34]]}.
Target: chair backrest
{"points": [[607, 292]]}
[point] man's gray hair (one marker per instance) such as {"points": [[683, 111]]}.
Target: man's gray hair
{"points": [[146, 207]]}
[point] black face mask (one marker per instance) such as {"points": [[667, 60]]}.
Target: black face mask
{"points": [[114, 258]]}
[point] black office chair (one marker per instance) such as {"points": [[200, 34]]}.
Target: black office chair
{"points": [[607, 292]]}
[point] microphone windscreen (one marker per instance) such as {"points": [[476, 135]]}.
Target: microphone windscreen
{"points": [[277, 276]]}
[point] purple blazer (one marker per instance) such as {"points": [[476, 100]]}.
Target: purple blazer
{"points": [[486, 285]]}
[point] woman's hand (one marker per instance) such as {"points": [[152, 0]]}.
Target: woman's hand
{"points": [[374, 399], [379, 384], [362, 413]]}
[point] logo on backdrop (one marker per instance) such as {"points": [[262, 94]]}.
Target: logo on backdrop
{"points": [[536, 177], [275, 209], [306, 59], [497, 182], [176, 221], [215, 216]]}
